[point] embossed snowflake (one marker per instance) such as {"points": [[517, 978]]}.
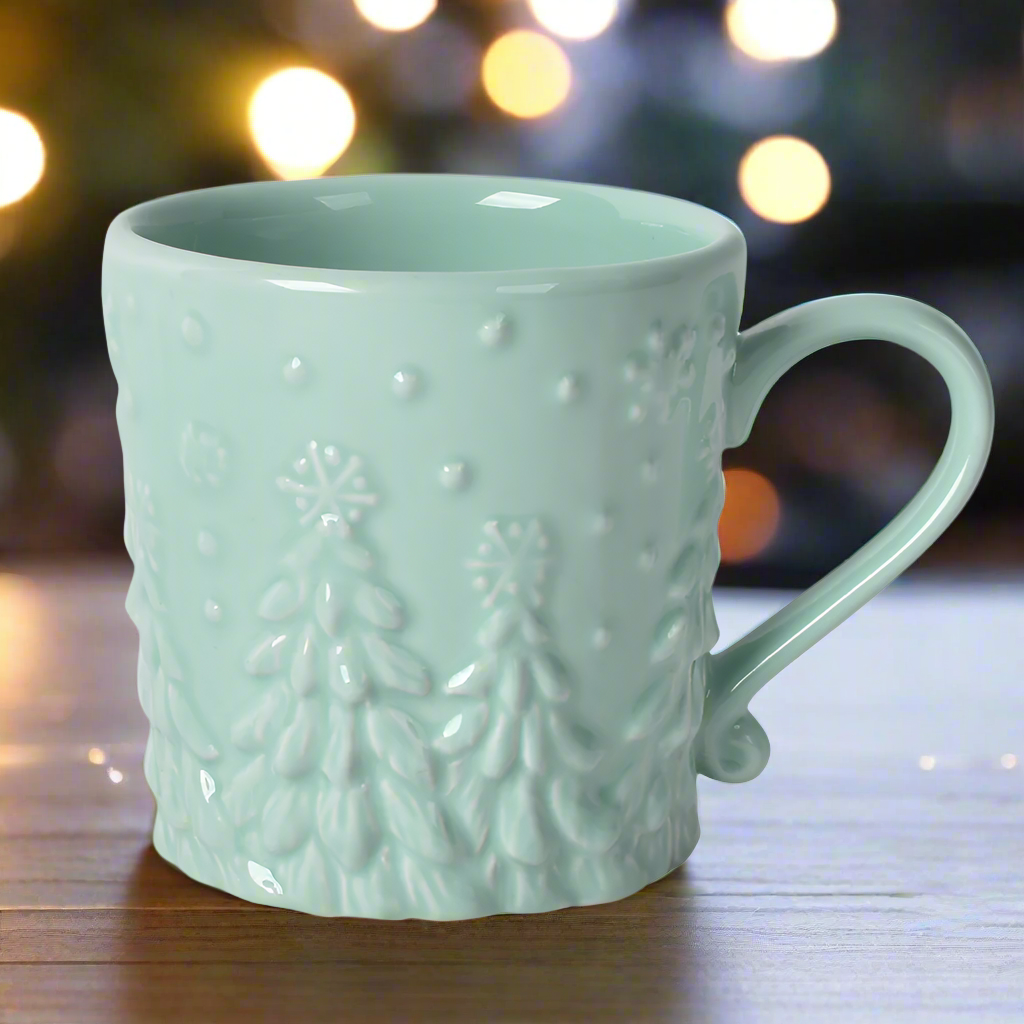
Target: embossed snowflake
{"points": [[326, 493], [512, 561], [662, 372], [203, 454]]}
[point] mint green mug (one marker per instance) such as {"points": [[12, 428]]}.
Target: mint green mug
{"points": [[422, 479]]}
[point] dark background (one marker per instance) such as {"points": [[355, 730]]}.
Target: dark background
{"points": [[917, 107]]}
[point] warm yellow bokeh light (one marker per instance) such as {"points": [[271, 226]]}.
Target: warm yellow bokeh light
{"points": [[396, 15], [750, 517], [526, 74], [781, 29], [575, 19], [784, 179], [24, 617], [97, 755], [22, 157], [301, 121]]}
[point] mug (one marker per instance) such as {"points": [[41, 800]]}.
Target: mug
{"points": [[422, 478]]}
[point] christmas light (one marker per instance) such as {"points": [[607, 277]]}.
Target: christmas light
{"points": [[526, 74], [781, 29], [22, 157], [396, 15], [301, 121], [575, 19], [784, 179]]}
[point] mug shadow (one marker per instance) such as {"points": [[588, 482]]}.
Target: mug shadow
{"points": [[189, 952]]}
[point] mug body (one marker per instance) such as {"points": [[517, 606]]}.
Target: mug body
{"points": [[422, 480]]}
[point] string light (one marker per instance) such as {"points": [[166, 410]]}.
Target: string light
{"points": [[22, 157], [750, 517], [396, 15], [575, 19], [301, 121], [526, 74], [774, 30], [784, 179]]}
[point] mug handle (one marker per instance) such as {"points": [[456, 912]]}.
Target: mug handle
{"points": [[732, 746]]}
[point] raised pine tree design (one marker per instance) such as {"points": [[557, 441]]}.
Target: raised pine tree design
{"points": [[180, 753], [519, 763], [337, 792], [653, 791]]}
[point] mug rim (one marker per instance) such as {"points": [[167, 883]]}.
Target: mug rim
{"points": [[724, 239]]}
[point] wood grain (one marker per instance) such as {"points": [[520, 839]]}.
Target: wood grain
{"points": [[846, 884]]}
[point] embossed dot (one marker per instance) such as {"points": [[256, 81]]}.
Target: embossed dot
{"points": [[405, 383], [515, 531], [354, 515], [603, 523], [454, 475], [649, 471], [192, 331], [332, 455], [656, 342], [568, 389], [212, 610], [484, 549], [129, 302], [294, 371], [206, 783], [301, 465], [543, 543], [648, 557], [359, 483], [496, 331], [602, 638], [301, 503], [480, 583], [636, 413], [631, 371], [206, 543]]}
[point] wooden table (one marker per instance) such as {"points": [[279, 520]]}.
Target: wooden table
{"points": [[874, 872]]}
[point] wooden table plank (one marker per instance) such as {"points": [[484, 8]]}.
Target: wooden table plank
{"points": [[846, 884]]}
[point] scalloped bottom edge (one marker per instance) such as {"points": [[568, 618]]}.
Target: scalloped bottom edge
{"points": [[236, 875]]}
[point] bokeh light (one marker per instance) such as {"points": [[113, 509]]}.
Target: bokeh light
{"points": [[526, 74], [24, 628], [97, 755], [781, 29], [784, 179], [301, 121], [575, 19], [22, 157], [750, 517], [396, 15]]}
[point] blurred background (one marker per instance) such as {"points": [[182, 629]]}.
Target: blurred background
{"points": [[863, 145]]}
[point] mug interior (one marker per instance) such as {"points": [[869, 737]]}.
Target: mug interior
{"points": [[429, 223]]}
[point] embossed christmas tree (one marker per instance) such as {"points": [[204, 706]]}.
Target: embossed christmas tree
{"points": [[520, 763], [662, 724], [179, 749], [337, 794]]}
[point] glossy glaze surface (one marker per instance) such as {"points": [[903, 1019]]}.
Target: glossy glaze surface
{"points": [[424, 538]]}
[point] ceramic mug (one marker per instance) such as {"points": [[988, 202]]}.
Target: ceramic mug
{"points": [[422, 479]]}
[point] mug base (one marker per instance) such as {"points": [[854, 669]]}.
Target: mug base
{"points": [[600, 878]]}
